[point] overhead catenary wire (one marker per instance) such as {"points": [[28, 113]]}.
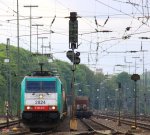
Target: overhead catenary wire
{"points": [[127, 14], [90, 18]]}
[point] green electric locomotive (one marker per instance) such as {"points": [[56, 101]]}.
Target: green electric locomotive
{"points": [[42, 100]]}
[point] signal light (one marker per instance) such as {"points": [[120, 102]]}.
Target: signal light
{"points": [[77, 53], [73, 57], [77, 59], [73, 31]]}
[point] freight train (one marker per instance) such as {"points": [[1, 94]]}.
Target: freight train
{"points": [[82, 107], [43, 101]]}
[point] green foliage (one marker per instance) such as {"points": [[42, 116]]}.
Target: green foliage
{"points": [[65, 73], [101, 89]]}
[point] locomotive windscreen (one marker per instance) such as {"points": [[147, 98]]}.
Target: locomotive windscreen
{"points": [[40, 86]]}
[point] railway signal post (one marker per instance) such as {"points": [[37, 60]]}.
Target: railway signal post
{"points": [[119, 107], [7, 115], [74, 58], [135, 77]]}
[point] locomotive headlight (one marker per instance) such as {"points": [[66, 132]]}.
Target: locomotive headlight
{"points": [[40, 96], [53, 107], [29, 107]]}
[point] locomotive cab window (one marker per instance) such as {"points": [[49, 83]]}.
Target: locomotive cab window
{"points": [[32, 86], [40, 86], [49, 86]]}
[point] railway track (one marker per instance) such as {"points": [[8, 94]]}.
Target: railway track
{"points": [[28, 133], [97, 128], [11, 123], [145, 118], [19, 130], [140, 124], [14, 129], [34, 133], [93, 127]]}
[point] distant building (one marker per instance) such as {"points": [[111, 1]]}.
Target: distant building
{"points": [[99, 70]]}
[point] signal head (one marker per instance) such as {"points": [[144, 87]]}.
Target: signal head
{"points": [[77, 53]]}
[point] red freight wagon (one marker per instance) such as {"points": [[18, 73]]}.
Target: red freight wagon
{"points": [[82, 107]]}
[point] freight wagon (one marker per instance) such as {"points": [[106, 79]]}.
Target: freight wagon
{"points": [[82, 107]]}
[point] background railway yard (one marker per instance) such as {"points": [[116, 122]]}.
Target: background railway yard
{"points": [[96, 125], [88, 75]]}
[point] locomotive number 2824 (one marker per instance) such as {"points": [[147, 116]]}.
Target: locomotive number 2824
{"points": [[41, 102]]}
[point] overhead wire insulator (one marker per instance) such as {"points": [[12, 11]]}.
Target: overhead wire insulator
{"points": [[144, 37], [106, 21]]}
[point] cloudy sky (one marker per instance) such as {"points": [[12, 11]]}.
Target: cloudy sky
{"points": [[126, 22]]}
